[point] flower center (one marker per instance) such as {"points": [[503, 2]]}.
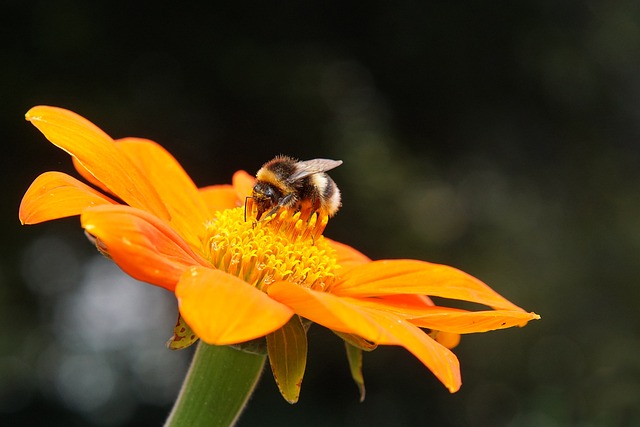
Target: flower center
{"points": [[285, 246]]}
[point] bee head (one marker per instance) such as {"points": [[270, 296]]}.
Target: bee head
{"points": [[265, 196], [264, 192]]}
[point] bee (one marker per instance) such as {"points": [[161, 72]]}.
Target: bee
{"points": [[286, 182]]}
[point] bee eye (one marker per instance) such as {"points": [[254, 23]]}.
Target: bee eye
{"points": [[265, 191], [270, 193]]}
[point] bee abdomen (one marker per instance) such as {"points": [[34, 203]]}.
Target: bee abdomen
{"points": [[329, 193]]}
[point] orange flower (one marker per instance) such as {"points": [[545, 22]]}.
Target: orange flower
{"points": [[236, 280]]}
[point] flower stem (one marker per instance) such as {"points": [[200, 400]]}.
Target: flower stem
{"points": [[216, 388]]}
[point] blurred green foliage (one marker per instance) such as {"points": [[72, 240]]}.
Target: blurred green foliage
{"points": [[498, 137]]}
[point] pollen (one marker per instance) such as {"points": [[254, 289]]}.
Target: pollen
{"points": [[287, 245]]}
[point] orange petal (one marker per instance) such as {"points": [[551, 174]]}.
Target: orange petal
{"points": [[347, 256], [87, 175], [346, 315], [465, 322], [450, 319], [220, 197], [411, 301], [96, 152], [178, 192], [223, 309], [439, 359], [144, 246], [388, 277], [243, 184], [335, 313], [55, 195]]}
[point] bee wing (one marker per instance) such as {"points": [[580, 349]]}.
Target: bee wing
{"points": [[309, 167]]}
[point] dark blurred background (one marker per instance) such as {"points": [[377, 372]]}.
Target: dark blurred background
{"points": [[498, 137]]}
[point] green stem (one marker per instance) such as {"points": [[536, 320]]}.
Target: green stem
{"points": [[216, 388]]}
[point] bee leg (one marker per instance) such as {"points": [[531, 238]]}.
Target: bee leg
{"points": [[268, 214], [316, 207], [287, 200]]}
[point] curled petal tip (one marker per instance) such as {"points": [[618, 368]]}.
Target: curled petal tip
{"points": [[454, 388], [35, 113], [29, 114]]}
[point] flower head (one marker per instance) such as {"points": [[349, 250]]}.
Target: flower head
{"points": [[238, 279]]}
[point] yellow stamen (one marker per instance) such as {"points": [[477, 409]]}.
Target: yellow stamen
{"points": [[287, 245]]}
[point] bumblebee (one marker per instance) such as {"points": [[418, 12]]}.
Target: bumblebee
{"points": [[286, 182]]}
